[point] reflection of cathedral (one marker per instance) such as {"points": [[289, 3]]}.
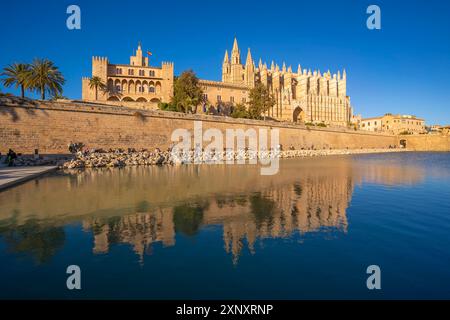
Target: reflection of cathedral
{"points": [[124, 206], [317, 202], [140, 230]]}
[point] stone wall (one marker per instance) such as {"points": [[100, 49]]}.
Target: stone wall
{"points": [[428, 142], [50, 126]]}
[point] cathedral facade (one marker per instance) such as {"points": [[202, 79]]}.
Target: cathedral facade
{"points": [[301, 96]]}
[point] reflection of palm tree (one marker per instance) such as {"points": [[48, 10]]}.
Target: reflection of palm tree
{"points": [[188, 218], [34, 239]]}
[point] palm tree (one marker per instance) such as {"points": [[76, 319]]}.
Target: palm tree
{"points": [[44, 77], [58, 96], [16, 74], [96, 83]]}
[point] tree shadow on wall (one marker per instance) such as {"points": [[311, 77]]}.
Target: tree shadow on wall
{"points": [[8, 104]]}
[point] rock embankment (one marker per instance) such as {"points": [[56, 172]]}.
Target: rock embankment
{"points": [[146, 158]]}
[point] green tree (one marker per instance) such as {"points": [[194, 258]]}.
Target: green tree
{"points": [[97, 83], [166, 106], [240, 111], [16, 74], [44, 77], [261, 100], [187, 93]]}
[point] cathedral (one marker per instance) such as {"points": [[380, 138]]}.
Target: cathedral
{"points": [[305, 95]]}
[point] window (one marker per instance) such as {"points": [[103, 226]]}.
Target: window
{"points": [[231, 99], [140, 89], [243, 100], [219, 98], [151, 89], [118, 88], [130, 72], [141, 73], [119, 71], [151, 73], [205, 97]]}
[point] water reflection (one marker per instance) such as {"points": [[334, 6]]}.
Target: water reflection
{"points": [[143, 206]]}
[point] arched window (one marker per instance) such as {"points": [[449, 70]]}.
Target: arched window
{"points": [[151, 89]]}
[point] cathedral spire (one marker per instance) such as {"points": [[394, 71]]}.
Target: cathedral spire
{"points": [[260, 65], [235, 46], [344, 75], [284, 67], [235, 53], [225, 58], [249, 60], [299, 69]]}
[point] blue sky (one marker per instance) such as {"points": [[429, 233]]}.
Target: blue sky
{"points": [[402, 68]]}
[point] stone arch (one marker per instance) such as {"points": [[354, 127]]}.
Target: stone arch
{"points": [[117, 85], [141, 99], [128, 99], [124, 86], [155, 100], [131, 88], [138, 87], [151, 87], [110, 85], [113, 98], [144, 86], [158, 87], [298, 115]]}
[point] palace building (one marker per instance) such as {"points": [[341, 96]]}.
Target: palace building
{"points": [[136, 82], [301, 96]]}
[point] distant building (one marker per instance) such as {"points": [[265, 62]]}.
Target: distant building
{"points": [[395, 124]]}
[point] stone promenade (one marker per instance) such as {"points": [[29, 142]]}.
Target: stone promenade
{"points": [[11, 176]]}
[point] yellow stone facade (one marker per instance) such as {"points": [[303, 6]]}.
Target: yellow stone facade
{"points": [[302, 96], [305, 95], [136, 84], [394, 124]]}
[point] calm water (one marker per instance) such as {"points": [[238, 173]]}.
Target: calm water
{"points": [[213, 231]]}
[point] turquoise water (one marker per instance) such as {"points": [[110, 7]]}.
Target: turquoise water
{"points": [[215, 231]]}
